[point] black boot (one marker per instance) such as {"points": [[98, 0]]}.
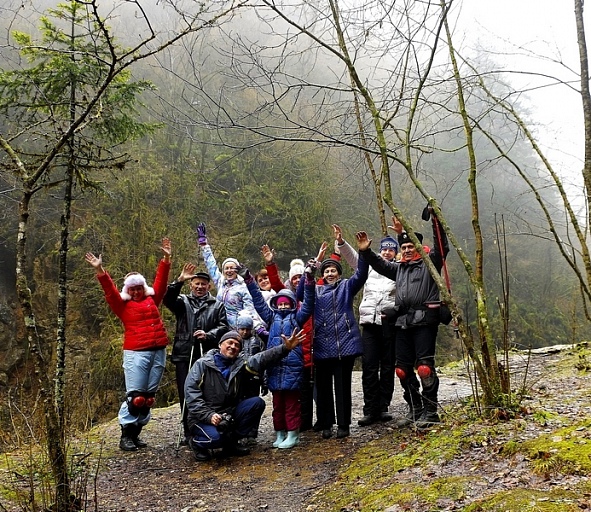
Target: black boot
{"points": [[414, 400], [140, 443], [200, 454], [233, 449], [126, 443], [429, 417]]}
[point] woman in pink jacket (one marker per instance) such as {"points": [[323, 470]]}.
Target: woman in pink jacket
{"points": [[144, 341]]}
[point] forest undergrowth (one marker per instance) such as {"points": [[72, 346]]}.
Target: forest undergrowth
{"points": [[538, 460]]}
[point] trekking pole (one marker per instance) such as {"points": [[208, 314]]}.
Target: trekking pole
{"points": [[183, 409]]}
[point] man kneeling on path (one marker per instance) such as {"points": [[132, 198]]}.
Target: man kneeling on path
{"points": [[217, 417]]}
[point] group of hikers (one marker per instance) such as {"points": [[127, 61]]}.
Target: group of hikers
{"points": [[297, 338]]}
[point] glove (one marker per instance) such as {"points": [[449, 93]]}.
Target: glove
{"points": [[263, 333], [427, 211], [201, 234], [245, 274], [311, 268]]}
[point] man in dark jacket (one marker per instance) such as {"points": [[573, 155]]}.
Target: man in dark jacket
{"points": [[417, 318], [200, 323], [218, 417]]}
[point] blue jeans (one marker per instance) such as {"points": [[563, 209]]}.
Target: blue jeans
{"points": [[143, 370], [247, 417]]}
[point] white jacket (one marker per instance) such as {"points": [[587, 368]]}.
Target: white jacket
{"points": [[378, 292]]}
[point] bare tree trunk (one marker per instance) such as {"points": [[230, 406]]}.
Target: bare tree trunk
{"points": [[586, 100]]}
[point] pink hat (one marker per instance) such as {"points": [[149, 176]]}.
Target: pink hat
{"points": [[283, 300]]}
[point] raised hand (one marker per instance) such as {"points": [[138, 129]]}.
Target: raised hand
{"points": [[396, 225], [187, 272], [166, 248], [311, 268], [338, 234], [244, 273], [268, 254], [321, 251], [363, 241], [201, 234], [95, 262]]}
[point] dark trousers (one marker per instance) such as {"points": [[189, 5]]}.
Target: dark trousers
{"points": [[307, 399], [416, 346], [247, 417], [339, 372], [377, 364], [287, 411]]}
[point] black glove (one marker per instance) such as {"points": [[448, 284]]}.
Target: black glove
{"points": [[244, 273], [311, 268], [426, 215]]}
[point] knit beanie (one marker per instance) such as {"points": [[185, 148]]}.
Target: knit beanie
{"points": [[230, 260], [296, 268], [244, 321], [283, 300], [135, 279], [389, 243], [330, 262], [403, 238], [230, 335]]}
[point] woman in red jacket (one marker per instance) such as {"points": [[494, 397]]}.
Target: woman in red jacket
{"points": [[144, 341]]}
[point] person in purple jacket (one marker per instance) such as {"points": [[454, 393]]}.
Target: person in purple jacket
{"points": [[337, 342]]}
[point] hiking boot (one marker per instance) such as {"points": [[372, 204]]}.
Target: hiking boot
{"points": [[427, 419], [367, 420], [135, 432], [126, 442], [413, 415], [235, 450], [327, 433], [385, 416], [343, 432], [200, 454]]}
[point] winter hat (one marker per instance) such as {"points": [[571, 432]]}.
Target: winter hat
{"points": [[389, 243], [296, 268], [403, 237], [244, 321], [233, 335], [330, 262], [135, 279], [230, 260], [283, 296], [283, 300]]}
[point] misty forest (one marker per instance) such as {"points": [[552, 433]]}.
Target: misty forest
{"points": [[125, 121]]}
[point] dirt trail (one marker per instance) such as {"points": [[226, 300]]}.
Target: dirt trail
{"points": [[157, 479]]}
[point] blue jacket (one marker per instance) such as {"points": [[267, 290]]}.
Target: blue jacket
{"points": [[286, 374], [336, 333]]}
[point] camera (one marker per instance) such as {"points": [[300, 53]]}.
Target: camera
{"points": [[226, 424]]}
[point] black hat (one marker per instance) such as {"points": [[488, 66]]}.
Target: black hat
{"points": [[403, 238], [203, 275], [230, 335], [328, 262]]}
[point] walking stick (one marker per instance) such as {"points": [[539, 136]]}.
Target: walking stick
{"points": [[183, 409]]}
